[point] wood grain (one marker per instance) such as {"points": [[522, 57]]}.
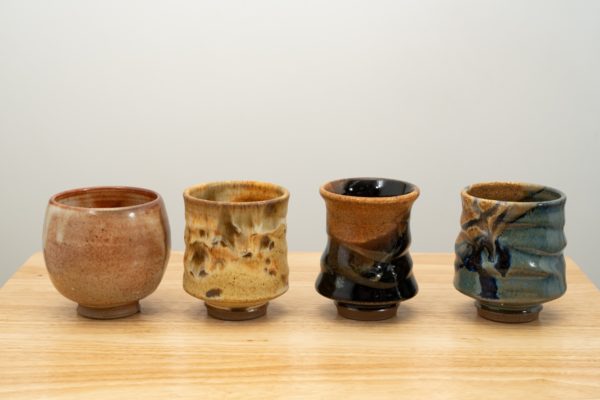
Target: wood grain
{"points": [[436, 348]]}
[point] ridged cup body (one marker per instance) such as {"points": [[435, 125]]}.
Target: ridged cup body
{"points": [[367, 260], [509, 252]]}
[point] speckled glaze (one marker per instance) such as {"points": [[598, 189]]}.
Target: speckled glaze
{"points": [[235, 246], [106, 247], [509, 251], [366, 267]]}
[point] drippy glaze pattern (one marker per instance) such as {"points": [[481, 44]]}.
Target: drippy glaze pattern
{"points": [[509, 251], [235, 236]]}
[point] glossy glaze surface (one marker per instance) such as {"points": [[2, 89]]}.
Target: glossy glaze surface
{"points": [[509, 251], [366, 264], [236, 249], [106, 247]]}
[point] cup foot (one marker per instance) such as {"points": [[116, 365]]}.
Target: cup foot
{"points": [[109, 313], [366, 313], [237, 314], [515, 316]]}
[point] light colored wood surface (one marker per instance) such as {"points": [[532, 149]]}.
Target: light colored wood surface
{"points": [[435, 348]]}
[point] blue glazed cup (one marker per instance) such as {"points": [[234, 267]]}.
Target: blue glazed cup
{"points": [[509, 253]]}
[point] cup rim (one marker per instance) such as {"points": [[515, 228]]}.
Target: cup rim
{"points": [[329, 195], [189, 197], [55, 199], [560, 199]]}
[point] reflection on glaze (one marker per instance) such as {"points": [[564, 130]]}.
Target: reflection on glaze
{"points": [[366, 260]]}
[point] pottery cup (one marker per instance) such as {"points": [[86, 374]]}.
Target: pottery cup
{"points": [[509, 252], [235, 246], [366, 267], [106, 247]]}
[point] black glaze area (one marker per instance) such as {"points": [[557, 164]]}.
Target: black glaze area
{"points": [[378, 282], [371, 187], [486, 246], [472, 261]]}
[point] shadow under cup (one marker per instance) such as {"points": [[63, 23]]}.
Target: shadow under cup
{"points": [[509, 252], [236, 251], [366, 267]]}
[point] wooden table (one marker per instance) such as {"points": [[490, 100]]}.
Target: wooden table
{"points": [[435, 348]]}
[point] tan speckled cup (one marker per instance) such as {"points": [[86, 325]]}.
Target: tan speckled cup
{"points": [[236, 251], [106, 247]]}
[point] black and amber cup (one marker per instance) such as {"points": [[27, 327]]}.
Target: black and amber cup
{"points": [[366, 267]]}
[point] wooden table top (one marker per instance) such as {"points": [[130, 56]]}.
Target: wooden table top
{"points": [[436, 347]]}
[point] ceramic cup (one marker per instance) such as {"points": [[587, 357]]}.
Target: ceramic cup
{"points": [[366, 268], [509, 251], [235, 246], [106, 247]]}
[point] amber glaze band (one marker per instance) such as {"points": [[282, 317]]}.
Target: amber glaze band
{"points": [[269, 193]]}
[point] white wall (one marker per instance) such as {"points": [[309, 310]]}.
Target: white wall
{"points": [[165, 94]]}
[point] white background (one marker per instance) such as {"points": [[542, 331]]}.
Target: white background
{"points": [[166, 94]]}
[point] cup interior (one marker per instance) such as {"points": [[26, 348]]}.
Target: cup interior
{"points": [[513, 192], [105, 197], [237, 192], [370, 187]]}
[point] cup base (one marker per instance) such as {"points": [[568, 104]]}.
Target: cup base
{"points": [[508, 316], [237, 314], [109, 313], [361, 312]]}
